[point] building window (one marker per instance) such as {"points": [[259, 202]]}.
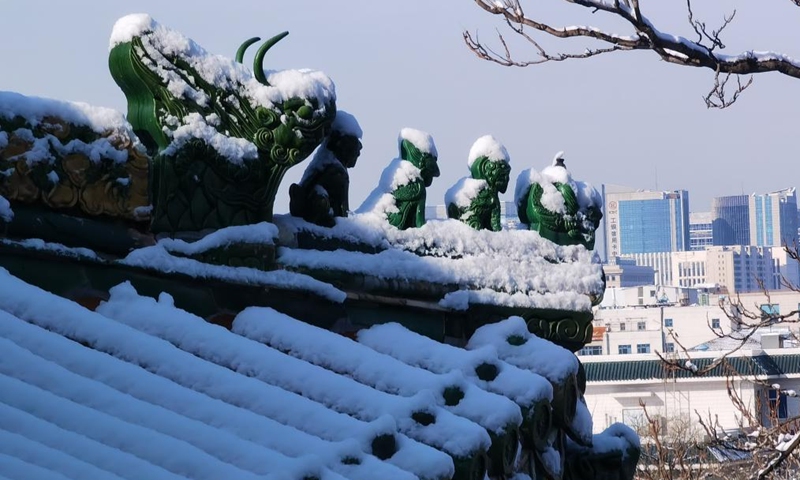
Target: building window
{"points": [[668, 322], [591, 350], [769, 310], [640, 326], [622, 327], [778, 407], [643, 348], [715, 323], [669, 348], [624, 349]]}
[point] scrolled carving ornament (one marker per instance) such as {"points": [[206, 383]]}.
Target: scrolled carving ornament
{"points": [[68, 179], [568, 332]]}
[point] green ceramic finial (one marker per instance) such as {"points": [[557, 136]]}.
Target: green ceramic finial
{"points": [[322, 194], [229, 174], [551, 206], [476, 200], [410, 197]]}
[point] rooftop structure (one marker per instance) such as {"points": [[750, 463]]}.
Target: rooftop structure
{"points": [[161, 321]]}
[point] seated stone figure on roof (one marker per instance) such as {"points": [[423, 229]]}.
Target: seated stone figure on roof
{"points": [[562, 210], [475, 201], [322, 194], [400, 196]]}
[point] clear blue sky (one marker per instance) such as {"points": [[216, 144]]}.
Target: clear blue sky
{"points": [[624, 118]]}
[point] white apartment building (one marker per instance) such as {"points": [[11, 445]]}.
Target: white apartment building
{"points": [[618, 386], [653, 295], [665, 329]]}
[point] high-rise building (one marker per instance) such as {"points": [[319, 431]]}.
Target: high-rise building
{"points": [[730, 220], [700, 230], [645, 221], [773, 218]]}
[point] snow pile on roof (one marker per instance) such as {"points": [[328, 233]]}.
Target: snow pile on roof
{"points": [[522, 386], [489, 147], [526, 350], [522, 268], [124, 401], [37, 110], [6, 214], [456, 435], [166, 257], [552, 199], [383, 372], [258, 233], [462, 299], [398, 173], [618, 437], [56, 248], [46, 121]]}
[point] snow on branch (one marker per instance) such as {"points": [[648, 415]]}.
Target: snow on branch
{"points": [[702, 52]]}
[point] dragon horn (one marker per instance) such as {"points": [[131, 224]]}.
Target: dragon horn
{"points": [[243, 47], [258, 63]]}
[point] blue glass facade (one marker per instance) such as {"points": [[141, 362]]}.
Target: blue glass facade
{"points": [[775, 218], [654, 225], [730, 220]]}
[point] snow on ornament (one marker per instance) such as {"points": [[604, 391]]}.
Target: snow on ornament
{"points": [[475, 200], [563, 210], [400, 195]]}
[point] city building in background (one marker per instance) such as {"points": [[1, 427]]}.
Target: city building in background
{"points": [[624, 272], [730, 219], [732, 268], [773, 218], [700, 230], [638, 222]]}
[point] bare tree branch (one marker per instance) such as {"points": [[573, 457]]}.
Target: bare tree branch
{"points": [[702, 52]]}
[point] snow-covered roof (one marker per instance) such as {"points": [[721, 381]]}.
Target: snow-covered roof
{"points": [[514, 268], [55, 118], [142, 389]]}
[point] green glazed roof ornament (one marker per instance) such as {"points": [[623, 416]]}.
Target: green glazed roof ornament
{"points": [[410, 198], [222, 136], [400, 195], [475, 200], [562, 210], [323, 192]]}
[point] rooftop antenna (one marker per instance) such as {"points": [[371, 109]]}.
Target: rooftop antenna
{"points": [[656, 177]]}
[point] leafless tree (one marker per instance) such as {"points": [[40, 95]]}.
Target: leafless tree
{"points": [[683, 448], [704, 50], [772, 441]]}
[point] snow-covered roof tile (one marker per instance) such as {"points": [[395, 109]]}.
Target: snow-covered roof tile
{"points": [[140, 388]]}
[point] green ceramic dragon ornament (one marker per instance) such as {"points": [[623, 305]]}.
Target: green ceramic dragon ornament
{"points": [[476, 200], [562, 210], [401, 194], [221, 136]]}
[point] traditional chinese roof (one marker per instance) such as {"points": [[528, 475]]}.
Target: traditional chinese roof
{"points": [[760, 364], [140, 388]]}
